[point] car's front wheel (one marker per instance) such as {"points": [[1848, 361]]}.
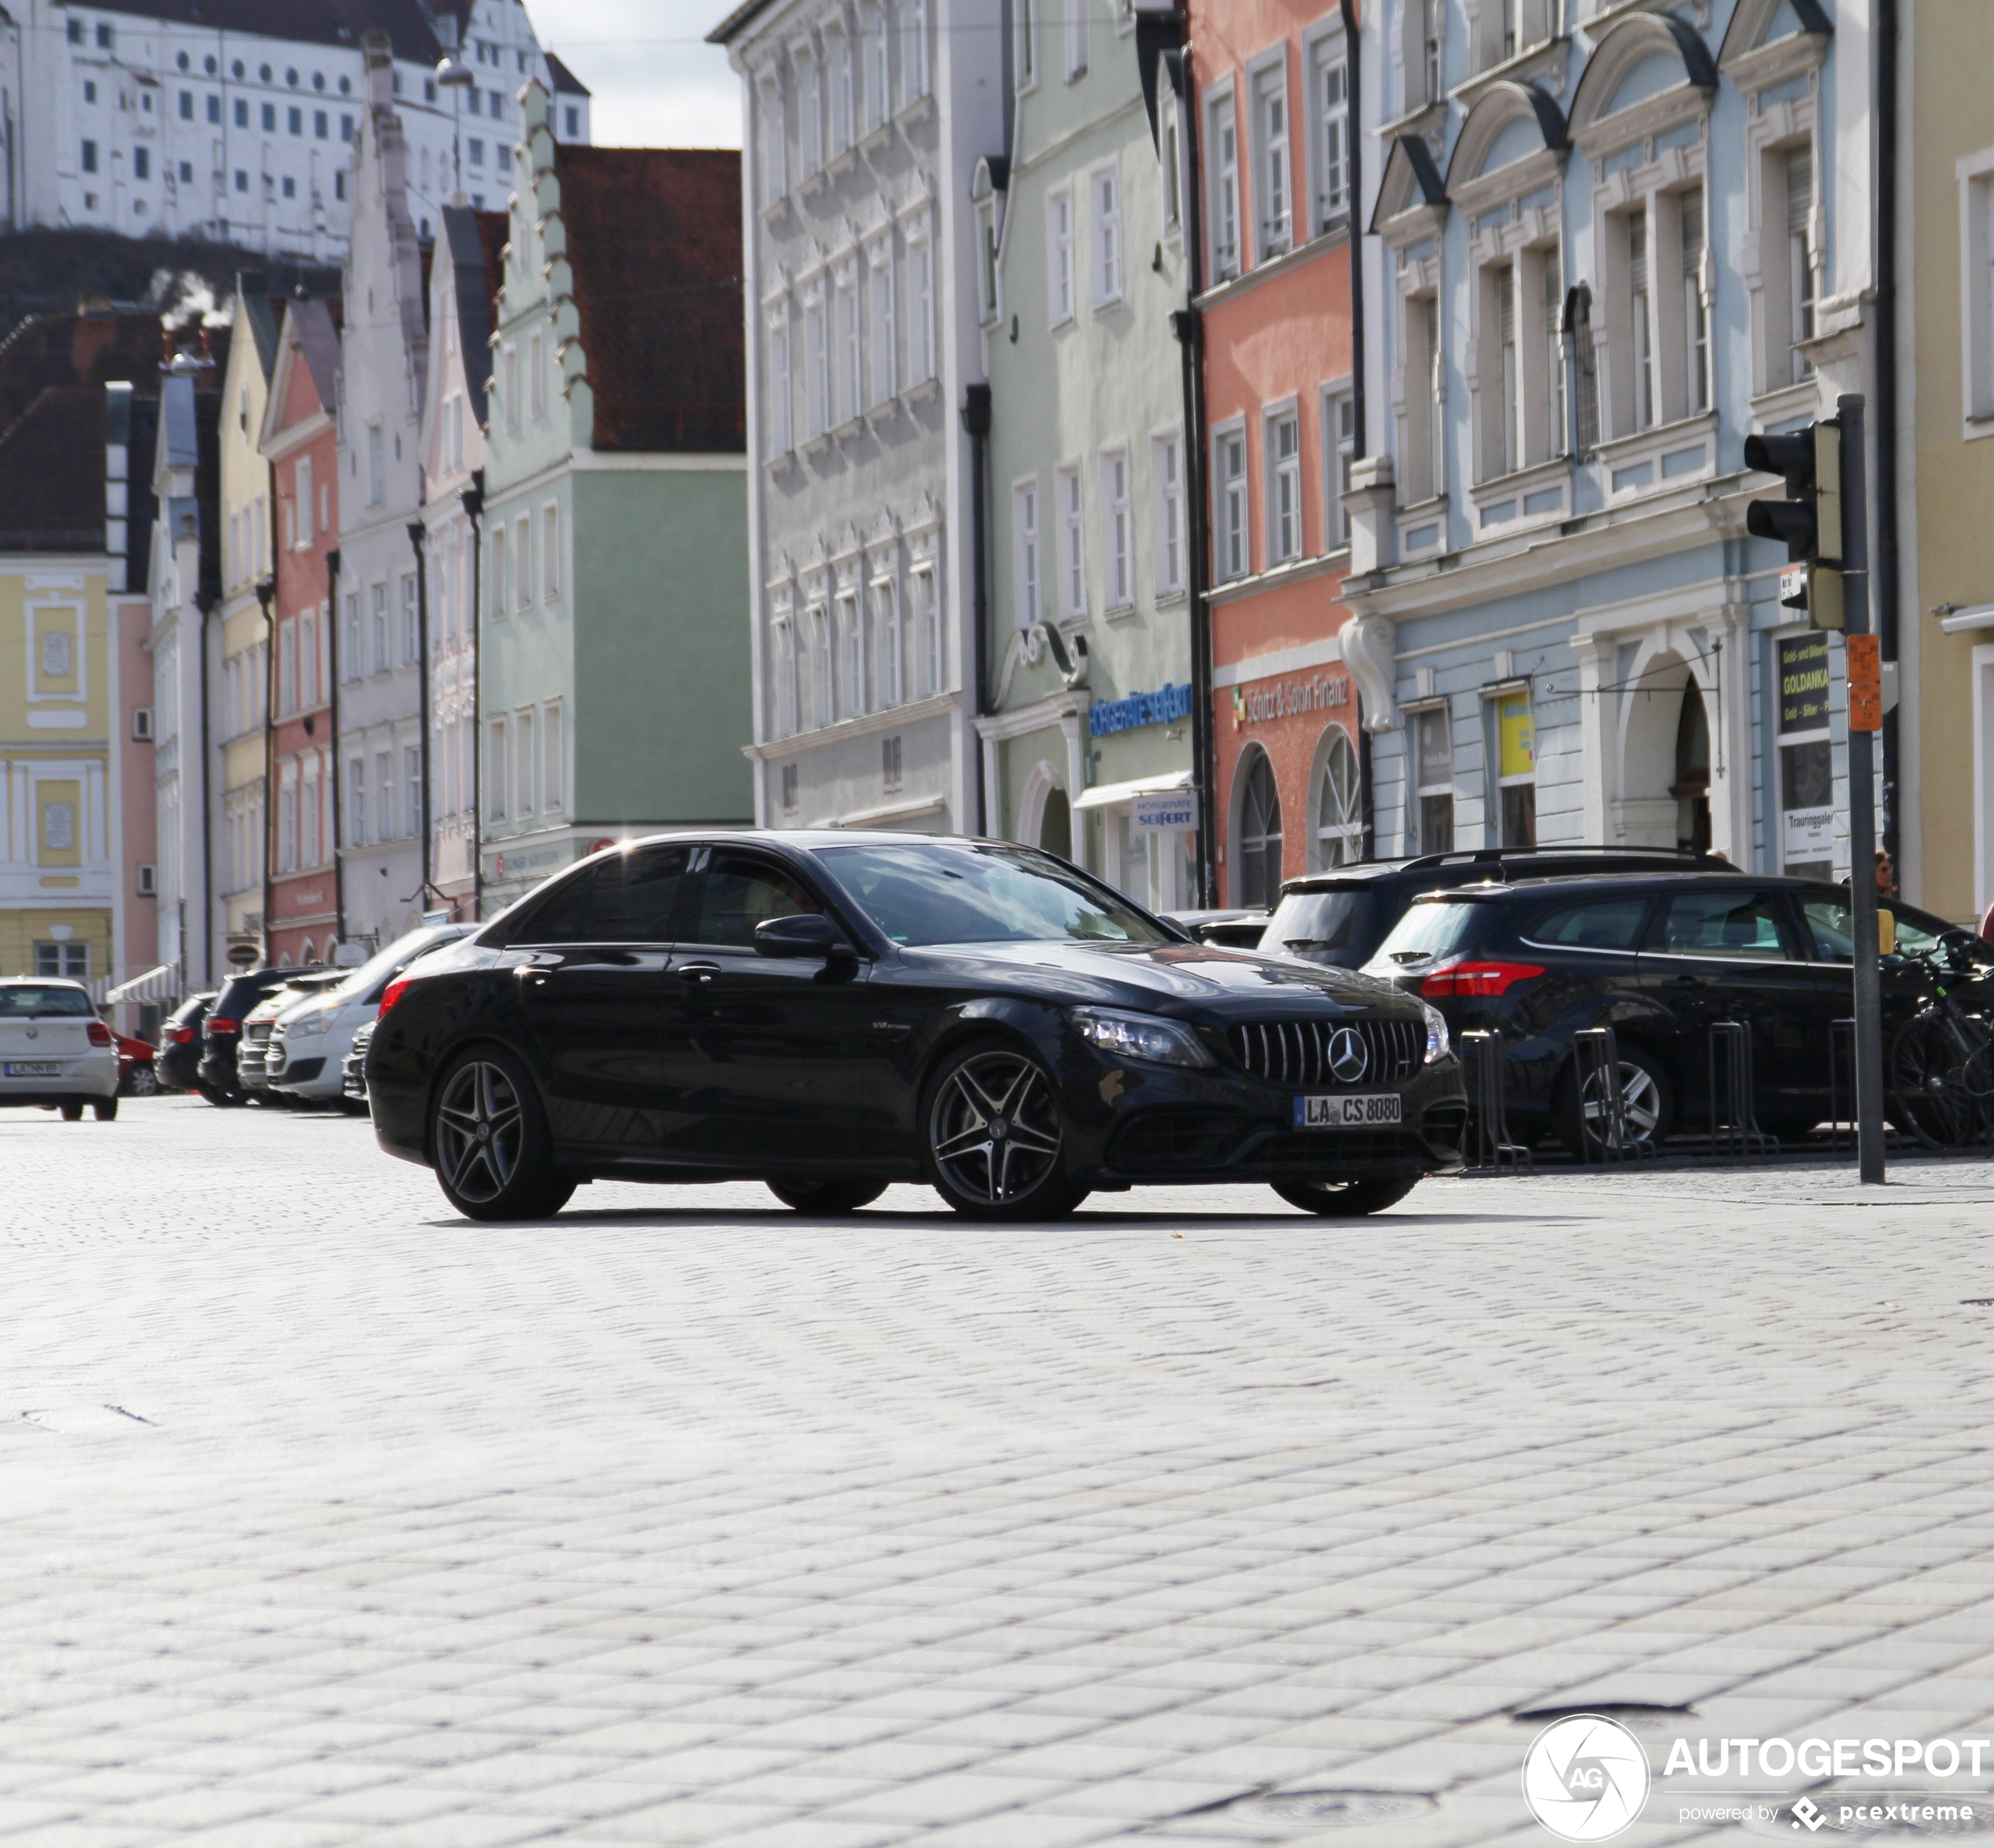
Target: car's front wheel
{"points": [[833, 1195], [106, 1109], [1344, 1199], [995, 1140], [489, 1140]]}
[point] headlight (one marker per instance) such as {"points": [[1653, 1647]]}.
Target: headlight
{"points": [[304, 1025], [1140, 1036], [1436, 1038]]}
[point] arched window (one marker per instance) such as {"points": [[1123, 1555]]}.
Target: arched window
{"points": [[1260, 835], [1339, 805]]}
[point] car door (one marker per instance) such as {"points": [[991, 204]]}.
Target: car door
{"points": [[595, 984], [1733, 953], [776, 1060]]}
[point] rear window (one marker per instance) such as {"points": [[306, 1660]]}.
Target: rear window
{"points": [[1314, 922], [26, 1001], [1431, 928], [1602, 924]]}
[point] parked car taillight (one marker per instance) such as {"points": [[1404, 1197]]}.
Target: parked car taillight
{"points": [[100, 1033], [180, 1036], [221, 1026], [392, 993], [1477, 977]]}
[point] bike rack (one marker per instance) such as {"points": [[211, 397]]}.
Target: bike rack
{"points": [[1841, 1087], [1734, 1128], [1491, 1147], [1596, 1055]]}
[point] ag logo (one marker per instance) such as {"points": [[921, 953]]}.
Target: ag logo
{"points": [[1348, 1055], [1585, 1778]]}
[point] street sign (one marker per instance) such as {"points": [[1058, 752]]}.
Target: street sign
{"points": [[1167, 811], [242, 956], [1863, 656]]}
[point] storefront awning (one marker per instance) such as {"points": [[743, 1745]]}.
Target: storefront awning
{"points": [[161, 984], [1107, 795]]}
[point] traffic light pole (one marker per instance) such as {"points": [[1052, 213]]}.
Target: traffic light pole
{"points": [[1862, 807]]}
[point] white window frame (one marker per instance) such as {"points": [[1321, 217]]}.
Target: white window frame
{"points": [[1117, 529], [849, 630], [889, 653], [1222, 201], [1061, 249], [523, 560], [1108, 267], [1326, 59], [1170, 151], [1975, 178], [775, 140], [1168, 536], [1286, 536], [884, 319], [816, 362], [924, 582], [914, 64], [1232, 522], [849, 361], [526, 765], [823, 657], [987, 305], [1273, 191], [1069, 499], [1339, 453], [781, 407], [550, 573], [1028, 602], [921, 263]]}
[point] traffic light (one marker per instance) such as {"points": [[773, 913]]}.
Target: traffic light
{"points": [[1809, 521]]}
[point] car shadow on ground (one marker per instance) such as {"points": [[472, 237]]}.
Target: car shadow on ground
{"points": [[1112, 1218]]}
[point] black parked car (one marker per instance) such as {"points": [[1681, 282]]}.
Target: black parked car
{"points": [[829, 1012], [221, 1030], [179, 1045], [1659, 959], [1340, 918]]}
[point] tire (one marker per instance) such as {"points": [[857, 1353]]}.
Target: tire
{"points": [[1647, 1096], [145, 1083], [72, 1113], [1343, 1199], [489, 1141], [221, 1100], [106, 1109], [972, 1113], [841, 1195]]}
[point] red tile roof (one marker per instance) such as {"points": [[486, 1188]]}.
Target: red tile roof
{"points": [[654, 238]]}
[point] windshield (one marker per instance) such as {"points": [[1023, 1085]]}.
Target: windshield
{"points": [[24, 1001], [1431, 928], [1313, 925], [923, 894]]}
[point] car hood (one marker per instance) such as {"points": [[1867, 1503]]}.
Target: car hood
{"points": [[1173, 978]]}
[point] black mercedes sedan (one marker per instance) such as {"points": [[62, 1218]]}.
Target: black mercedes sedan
{"points": [[831, 1011]]}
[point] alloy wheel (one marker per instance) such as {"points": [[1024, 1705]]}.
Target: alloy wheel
{"points": [[478, 1127], [1640, 1107], [994, 1129]]}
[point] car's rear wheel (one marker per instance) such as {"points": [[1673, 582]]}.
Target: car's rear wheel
{"points": [[1344, 1199], [489, 1140], [1647, 1105], [72, 1113], [220, 1099], [995, 1138], [838, 1195], [106, 1109]]}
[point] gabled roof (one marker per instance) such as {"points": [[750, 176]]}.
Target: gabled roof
{"points": [[316, 324], [566, 82], [653, 240], [475, 239], [337, 22], [52, 472]]}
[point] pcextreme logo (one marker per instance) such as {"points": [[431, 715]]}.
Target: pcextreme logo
{"points": [[1585, 1777]]}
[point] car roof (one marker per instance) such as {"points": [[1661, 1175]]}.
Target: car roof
{"points": [[42, 981], [1502, 866], [1581, 884]]}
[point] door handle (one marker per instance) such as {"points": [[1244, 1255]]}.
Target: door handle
{"points": [[698, 972]]}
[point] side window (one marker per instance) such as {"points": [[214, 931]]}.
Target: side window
{"points": [[1735, 927], [739, 891], [555, 916], [1614, 925], [634, 896], [1834, 931]]}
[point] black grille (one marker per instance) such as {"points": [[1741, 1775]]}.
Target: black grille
{"points": [[1297, 1052], [1177, 1139]]}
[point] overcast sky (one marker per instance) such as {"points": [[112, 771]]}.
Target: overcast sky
{"points": [[655, 83]]}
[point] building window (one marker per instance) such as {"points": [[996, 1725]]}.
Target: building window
{"points": [[1339, 804], [496, 766], [1551, 281], [1117, 529], [536, 375], [1229, 512], [510, 375], [1430, 16], [789, 787], [290, 187], [851, 640], [411, 622], [889, 763], [383, 795], [914, 72], [550, 552], [1284, 489], [383, 659], [523, 559], [927, 631], [89, 157], [1799, 175], [885, 342], [1106, 186], [214, 110], [1426, 413], [1331, 88], [1270, 131], [1340, 425], [1172, 154], [1696, 308], [1059, 255], [1516, 768], [1640, 321], [1433, 779], [810, 79], [69, 961], [526, 765], [786, 708], [775, 144], [1977, 272], [1260, 834], [851, 385], [888, 671], [412, 790], [879, 96], [843, 61], [1166, 473], [1223, 140], [186, 105], [987, 261], [499, 603], [141, 163], [924, 311], [780, 439], [1024, 527], [1077, 39], [356, 803], [1024, 30], [824, 693], [1509, 377], [816, 357], [553, 752]]}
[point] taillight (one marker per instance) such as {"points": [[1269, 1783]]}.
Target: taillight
{"points": [[180, 1035], [393, 993], [221, 1026], [100, 1033], [1477, 977]]}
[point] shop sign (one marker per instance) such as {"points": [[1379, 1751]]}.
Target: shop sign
{"points": [[1166, 810], [1167, 704], [1516, 736], [1808, 834], [517, 866], [1803, 682], [1284, 698]]}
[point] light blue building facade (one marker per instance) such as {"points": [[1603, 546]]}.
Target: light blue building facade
{"points": [[1610, 240]]}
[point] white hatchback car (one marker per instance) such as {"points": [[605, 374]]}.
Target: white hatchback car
{"points": [[54, 1049], [307, 1046]]}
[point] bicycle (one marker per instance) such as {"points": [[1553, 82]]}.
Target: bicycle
{"points": [[1940, 1073]]}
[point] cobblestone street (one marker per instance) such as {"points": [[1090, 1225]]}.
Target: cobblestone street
{"points": [[683, 1519]]}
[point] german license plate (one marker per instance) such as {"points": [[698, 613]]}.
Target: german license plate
{"points": [[1365, 1110], [33, 1068]]}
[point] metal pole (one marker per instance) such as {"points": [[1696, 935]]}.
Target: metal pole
{"points": [[1862, 807]]}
